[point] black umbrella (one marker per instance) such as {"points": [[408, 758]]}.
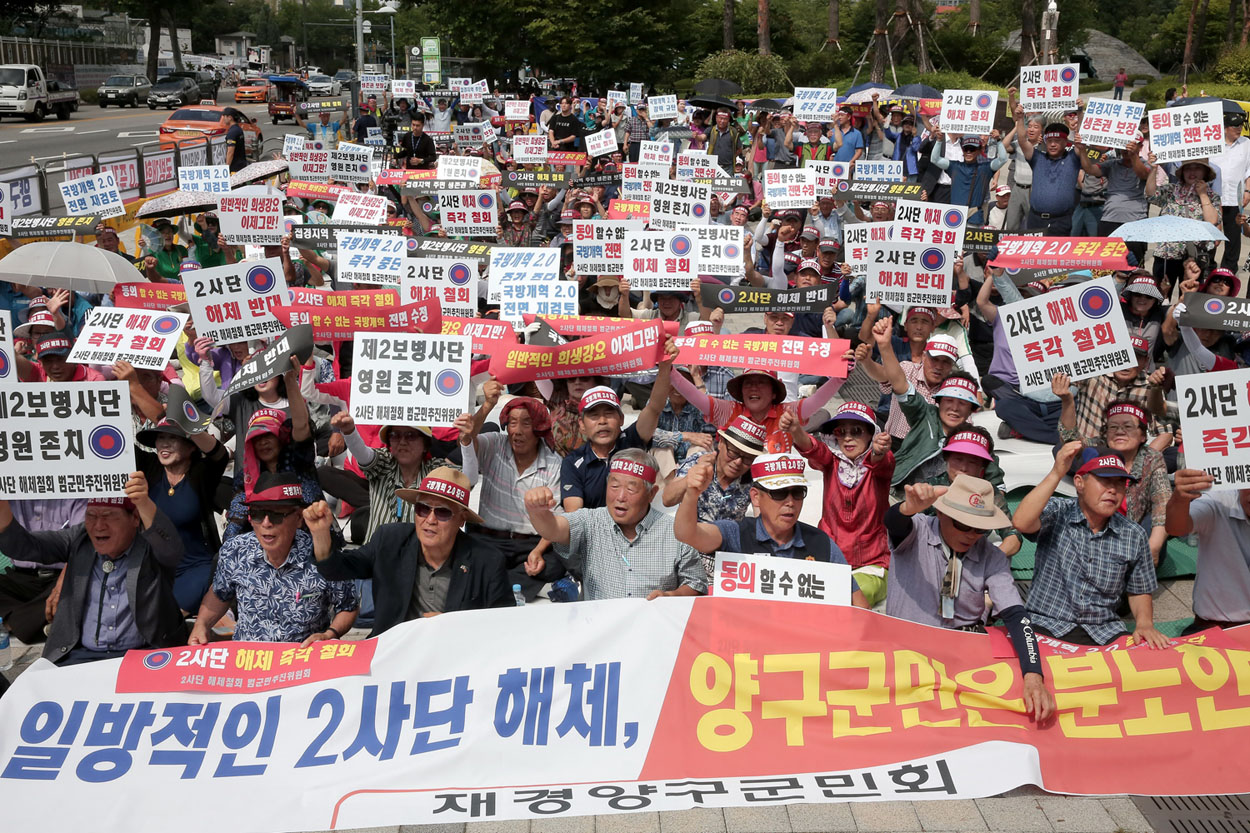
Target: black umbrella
{"points": [[916, 91], [765, 105], [711, 102], [717, 86]]}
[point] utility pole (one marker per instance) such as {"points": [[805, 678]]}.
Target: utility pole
{"points": [[360, 36], [1050, 33]]}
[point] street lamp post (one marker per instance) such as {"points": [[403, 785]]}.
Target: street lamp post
{"points": [[1050, 33]]}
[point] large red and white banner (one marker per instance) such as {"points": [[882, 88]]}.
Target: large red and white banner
{"points": [[642, 706], [796, 354]]}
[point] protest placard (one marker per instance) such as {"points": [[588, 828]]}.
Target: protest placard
{"points": [[273, 361], [1187, 131], [1111, 123], [984, 240], [754, 299], [442, 246], [155, 296], [475, 93], [529, 149], [1031, 252], [147, 340], [826, 175], [601, 143], [486, 334], [697, 165], [790, 188], [793, 354], [675, 204], [251, 215], [815, 103], [410, 379], [1049, 87], [464, 168], [361, 209], [372, 299], [539, 298], [212, 178], [351, 163], [364, 257], [1215, 312], [937, 224], [630, 350], [854, 189], [469, 213], [332, 104], [742, 576], [579, 326], [616, 97], [339, 324], [371, 84], [325, 237], [232, 303], [658, 155], [1078, 330], [719, 249], [635, 92], [629, 210], [313, 191], [95, 195], [292, 142], [73, 440], [599, 245], [661, 260], [452, 283], [909, 274], [516, 111], [662, 107], [8, 364], [402, 88], [877, 171], [638, 181], [856, 239], [521, 266], [456, 85], [1215, 421], [534, 179], [968, 111], [309, 165]]}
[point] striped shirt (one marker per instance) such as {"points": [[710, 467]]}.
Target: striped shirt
{"points": [[896, 423], [613, 567], [502, 502], [384, 478]]}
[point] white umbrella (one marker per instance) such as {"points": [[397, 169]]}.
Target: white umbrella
{"points": [[1167, 227], [865, 96], [73, 266]]}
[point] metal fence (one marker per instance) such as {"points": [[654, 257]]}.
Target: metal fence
{"points": [[64, 52]]}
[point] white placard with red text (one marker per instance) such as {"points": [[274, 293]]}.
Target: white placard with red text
{"points": [[516, 110], [826, 174], [469, 213], [251, 215], [656, 153], [742, 576], [362, 209], [145, 339], [453, 282], [661, 260], [529, 149], [309, 165], [1215, 420], [1049, 87], [1189, 131], [909, 274], [599, 245], [601, 143], [1111, 123], [790, 188], [676, 204], [234, 303], [968, 111]]}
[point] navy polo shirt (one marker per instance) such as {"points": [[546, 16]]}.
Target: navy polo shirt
{"points": [[1054, 182], [583, 474]]}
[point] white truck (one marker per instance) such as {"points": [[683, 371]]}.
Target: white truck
{"points": [[25, 91]]}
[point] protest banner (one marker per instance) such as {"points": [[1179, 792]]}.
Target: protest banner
{"points": [[451, 283], [719, 249], [214, 179], [442, 246], [818, 356], [661, 260], [529, 149], [361, 209], [753, 299], [1078, 330], [146, 340], [790, 188], [315, 190], [635, 92], [743, 576], [469, 213], [372, 85], [983, 240], [364, 257], [534, 179], [697, 165], [937, 224], [337, 324], [182, 410], [72, 440], [909, 274], [877, 171], [1188, 131], [520, 266], [53, 228], [588, 181], [579, 326], [324, 238], [410, 379], [725, 186], [233, 303], [8, 358], [826, 174], [350, 163], [401, 88], [599, 245], [154, 296], [857, 238], [96, 195], [539, 298], [601, 143], [1023, 252], [638, 181], [676, 204], [251, 215], [516, 111], [468, 135], [1045, 276], [815, 103], [659, 154], [629, 210], [1049, 87], [629, 350], [331, 104], [487, 335], [429, 187], [1215, 312], [1215, 421], [662, 107], [273, 361], [968, 111], [567, 157], [292, 142], [375, 299], [853, 189]]}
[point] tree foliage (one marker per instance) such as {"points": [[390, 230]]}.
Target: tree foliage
{"points": [[753, 71]]}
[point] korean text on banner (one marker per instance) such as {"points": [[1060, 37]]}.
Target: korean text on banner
{"points": [[742, 576], [212, 178], [601, 143], [697, 165], [676, 204], [351, 163], [516, 110], [251, 216], [1215, 420], [857, 238], [1078, 330], [638, 181], [465, 168], [656, 153], [529, 149], [1189, 131], [468, 135], [826, 175], [233, 303], [599, 245], [1028, 252], [338, 324], [662, 107], [720, 249], [223, 668], [469, 213], [795, 354], [402, 379], [1050, 87], [403, 89], [1111, 123], [96, 194], [361, 209], [635, 92], [309, 165], [937, 224], [364, 257], [8, 364], [878, 171], [630, 350], [1215, 312], [372, 85], [968, 111], [661, 260], [292, 142], [815, 103], [156, 296], [487, 335], [753, 299], [909, 274], [520, 266], [578, 326], [147, 340], [71, 440], [792, 188], [453, 283]]}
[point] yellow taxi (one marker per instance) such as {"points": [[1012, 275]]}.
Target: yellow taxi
{"points": [[206, 121], [252, 89]]}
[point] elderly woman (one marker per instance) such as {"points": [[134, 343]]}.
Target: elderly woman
{"points": [[1191, 196], [164, 264]]}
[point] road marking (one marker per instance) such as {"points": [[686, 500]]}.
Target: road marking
{"points": [[8, 141], [130, 134], [89, 132], [69, 128]]}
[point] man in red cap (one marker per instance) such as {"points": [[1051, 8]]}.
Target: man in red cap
{"points": [[120, 563], [52, 352]]}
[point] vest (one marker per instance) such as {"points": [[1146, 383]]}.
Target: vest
{"points": [[815, 543]]}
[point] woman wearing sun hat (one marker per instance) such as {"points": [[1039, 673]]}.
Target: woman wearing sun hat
{"points": [[1191, 195]]}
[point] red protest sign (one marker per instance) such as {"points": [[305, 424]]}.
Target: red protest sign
{"points": [[160, 296], [567, 157], [796, 354], [625, 351], [629, 210], [420, 317], [335, 324], [488, 335], [314, 190], [1017, 252], [234, 667], [577, 326], [343, 299]]}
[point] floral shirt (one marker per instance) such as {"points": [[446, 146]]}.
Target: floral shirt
{"points": [[717, 504], [1178, 201]]}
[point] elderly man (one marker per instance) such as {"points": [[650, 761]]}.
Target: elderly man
{"points": [[322, 131], [778, 489], [727, 494], [120, 562], [422, 569], [1222, 522], [52, 352], [624, 549], [1054, 193], [1088, 554], [270, 575], [943, 567]]}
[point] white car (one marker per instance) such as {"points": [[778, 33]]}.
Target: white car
{"points": [[324, 85]]}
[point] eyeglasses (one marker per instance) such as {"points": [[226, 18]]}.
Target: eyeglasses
{"points": [[441, 513], [275, 516], [796, 492], [1123, 428], [734, 454], [404, 436], [850, 430]]}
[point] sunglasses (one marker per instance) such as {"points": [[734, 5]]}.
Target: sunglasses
{"points": [[796, 492], [275, 516], [441, 513], [850, 431], [963, 527]]}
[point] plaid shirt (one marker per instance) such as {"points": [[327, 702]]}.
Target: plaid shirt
{"points": [[1095, 394], [1081, 575], [637, 129], [896, 424], [1146, 497], [384, 478], [502, 502], [613, 567]]}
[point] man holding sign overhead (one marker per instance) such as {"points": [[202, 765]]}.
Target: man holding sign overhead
{"points": [[1054, 194]]}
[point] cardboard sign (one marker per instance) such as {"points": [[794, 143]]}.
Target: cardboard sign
{"points": [[351, 163], [1215, 312], [96, 195], [522, 267], [516, 111], [601, 143], [452, 284], [372, 85], [8, 363], [968, 111], [676, 204], [234, 302], [720, 249], [1078, 330], [790, 188], [661, 260], [1215, 419], [469, 213], [1028, 252], [529, 149], [73, 440], [826, 175], [856, 240], [251, 215], [1050, 87], [1190, 131], [656, 154], [370, 258], [878, 171], [631, 350], [273, 361], [662, 107], [741, 576], [815, 104], [155, 296], [146, 340], [909, 274], [794, 354], [753, 299], [599, 245], [1111, 123], [212, 178], [354, 207]]}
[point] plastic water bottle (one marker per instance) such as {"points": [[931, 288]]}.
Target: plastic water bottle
{"points": [[6, 655], [516, 594]]}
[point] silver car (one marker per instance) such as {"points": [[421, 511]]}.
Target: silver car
{"points": [[123, 90], [324, 85]]}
